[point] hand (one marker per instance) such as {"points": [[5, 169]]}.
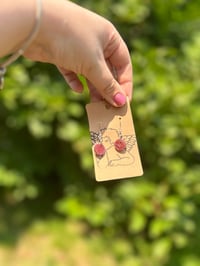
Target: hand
{"points": [[79, 41]]}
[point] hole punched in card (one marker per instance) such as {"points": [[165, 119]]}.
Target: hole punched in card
{"points": [[114, 144]]}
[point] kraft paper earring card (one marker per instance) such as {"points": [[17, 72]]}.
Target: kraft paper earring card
{"points": [[114, 144]]}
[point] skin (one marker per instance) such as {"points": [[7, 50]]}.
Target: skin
{"points": [[75, 40]]}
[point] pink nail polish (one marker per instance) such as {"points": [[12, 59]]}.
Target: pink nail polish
{"points": [[119, 99]]}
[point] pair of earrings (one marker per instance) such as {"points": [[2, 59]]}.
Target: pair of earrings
{"points": [[119, 144]]}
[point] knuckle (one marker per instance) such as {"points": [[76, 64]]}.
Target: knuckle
{"points": [[110, 88]]}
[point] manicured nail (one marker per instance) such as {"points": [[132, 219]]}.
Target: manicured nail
{"points": [[119, 99]]}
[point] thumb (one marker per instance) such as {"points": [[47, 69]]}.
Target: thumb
{"points": [[106, 85]]}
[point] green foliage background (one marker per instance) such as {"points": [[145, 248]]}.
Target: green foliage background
{"points": [[46, 166]]}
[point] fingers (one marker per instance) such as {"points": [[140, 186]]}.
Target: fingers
{"points": [[72, 80], [112, 75], [109, 73], [102, 84], [106, 87], [121, 64], [94, 94]]}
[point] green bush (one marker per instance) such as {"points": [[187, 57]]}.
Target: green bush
{"points": [[45, 148]]}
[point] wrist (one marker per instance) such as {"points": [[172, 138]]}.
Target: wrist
{"points": [[44, 46], [28, 40], [17, 21]]}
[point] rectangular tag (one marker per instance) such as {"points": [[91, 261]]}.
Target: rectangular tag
{"points": [[114, 144]]}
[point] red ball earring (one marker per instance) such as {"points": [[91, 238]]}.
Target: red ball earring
{"points": [[120, 144], [99, 148]]}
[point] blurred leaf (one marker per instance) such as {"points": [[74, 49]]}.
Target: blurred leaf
{"points": [[161, 248], [138, 222]]}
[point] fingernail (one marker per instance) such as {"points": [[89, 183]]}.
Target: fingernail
{"points": [[119, 99]]}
